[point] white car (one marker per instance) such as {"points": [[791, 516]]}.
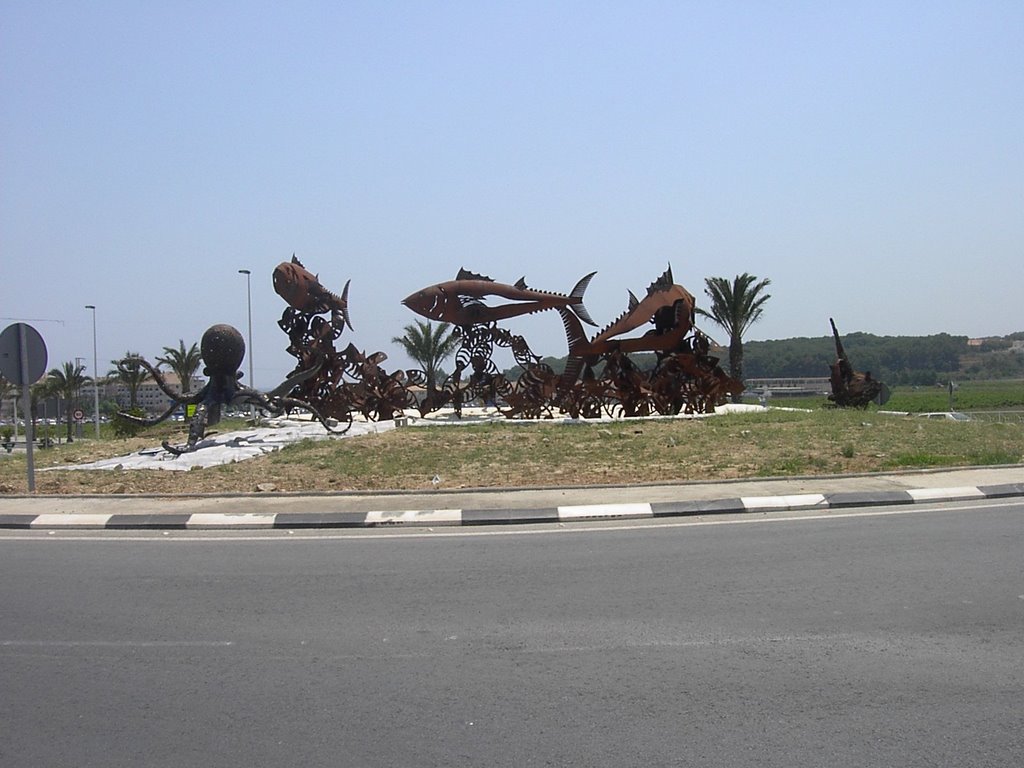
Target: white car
{"points": [[945, 415]]}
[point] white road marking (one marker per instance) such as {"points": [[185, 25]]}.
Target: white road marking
{"points": [[115, 643]]}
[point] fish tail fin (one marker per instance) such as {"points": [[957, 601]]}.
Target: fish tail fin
{"points": [[577, 296], [344, 305], [574, 335]]}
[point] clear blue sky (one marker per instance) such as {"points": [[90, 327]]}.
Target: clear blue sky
{"points": [[866, 157]]}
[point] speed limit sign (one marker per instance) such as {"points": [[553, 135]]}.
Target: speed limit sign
{"points": [[78, 414]]}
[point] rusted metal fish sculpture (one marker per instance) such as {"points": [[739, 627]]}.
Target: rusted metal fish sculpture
{"points": [[667, 305], [460, 301], [303, 291]]}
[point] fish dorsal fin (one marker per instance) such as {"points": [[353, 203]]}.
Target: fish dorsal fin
{"points": [[296, 261], [465, 274], [633, 301], [521, 283], [663, 283]]}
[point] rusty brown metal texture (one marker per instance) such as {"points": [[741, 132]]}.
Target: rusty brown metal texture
{"points": [[600, 376], [850, 388]]}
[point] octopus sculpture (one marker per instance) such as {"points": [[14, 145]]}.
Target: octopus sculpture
{"points": [[222, 349]]}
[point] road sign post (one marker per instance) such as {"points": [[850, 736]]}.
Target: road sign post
{"points": [[23, 361]]}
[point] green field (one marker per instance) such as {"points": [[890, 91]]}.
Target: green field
{"points": [[971, 396]]}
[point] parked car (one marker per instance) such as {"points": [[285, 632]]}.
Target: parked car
{"points": [[945, 416]]}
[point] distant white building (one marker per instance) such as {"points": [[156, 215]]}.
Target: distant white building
{"points": [[150, 398]]}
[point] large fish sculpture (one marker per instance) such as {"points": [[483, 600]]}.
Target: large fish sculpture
{"points": [[303, 291], [667, 305], [460, 301]]}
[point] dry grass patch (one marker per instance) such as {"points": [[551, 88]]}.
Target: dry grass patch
{"points": [[777, 443]]}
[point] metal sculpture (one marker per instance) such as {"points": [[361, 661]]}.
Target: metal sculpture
{"points": [[460, 301], [851, 389], [222, 349], [685, 379], [345, 381]]}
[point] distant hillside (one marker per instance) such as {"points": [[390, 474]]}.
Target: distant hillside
{"points": [[894, 359]]}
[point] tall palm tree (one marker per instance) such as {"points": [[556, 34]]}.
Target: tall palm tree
{"points": [[429, 345], [38, 394], [128, 372], [65, 383], [184, 363], [735, 306]]}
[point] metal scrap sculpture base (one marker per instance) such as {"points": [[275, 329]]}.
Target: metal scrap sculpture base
{"points": [[600, 378], [850, 388], [347, 381]]}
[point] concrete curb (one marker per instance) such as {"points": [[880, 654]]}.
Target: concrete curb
{"points": [[512, 516]]}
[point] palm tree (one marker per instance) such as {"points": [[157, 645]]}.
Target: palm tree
{"points": [[127, 371], [736, 306], [65, 383], [7, 390], [184, 363], [428, 345]]}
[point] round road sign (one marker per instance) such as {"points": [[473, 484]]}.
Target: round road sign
{"points": [[12, 355]]}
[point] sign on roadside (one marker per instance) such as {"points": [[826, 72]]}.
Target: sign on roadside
{"points": [[23, 362]]}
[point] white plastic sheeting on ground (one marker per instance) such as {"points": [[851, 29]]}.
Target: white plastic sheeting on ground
{"points": [[229, 447]]}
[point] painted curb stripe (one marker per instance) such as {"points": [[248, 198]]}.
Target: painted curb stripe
{"points": [[416, 517], [797, 501], [678, 508], [58, 520], [867, 499], [508, 516], [709, 507], [129, 522], [946, 494], [211, 521], [1002, 491], [320, 520], [582, 511], [221, 520]]}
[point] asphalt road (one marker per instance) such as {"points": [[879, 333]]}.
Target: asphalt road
{"points": [[775, 640]]}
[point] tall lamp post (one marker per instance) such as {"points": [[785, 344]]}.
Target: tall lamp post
{"points": [[95, 375], [248, 297]]}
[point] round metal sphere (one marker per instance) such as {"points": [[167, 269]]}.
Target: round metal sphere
{"points": [[223, 349]]}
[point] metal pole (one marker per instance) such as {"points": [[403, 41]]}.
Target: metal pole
{"points": [[248, 296], [79, 363], [27, 398], [95, 374]]}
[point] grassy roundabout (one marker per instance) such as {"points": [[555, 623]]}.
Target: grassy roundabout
{"points": [[768, 444]]}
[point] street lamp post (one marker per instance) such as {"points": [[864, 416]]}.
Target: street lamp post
{"points": [[95, 375], [248, 296], [79, 367]]}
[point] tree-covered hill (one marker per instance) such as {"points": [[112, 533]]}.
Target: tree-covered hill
{"points": [[894, 359]]}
